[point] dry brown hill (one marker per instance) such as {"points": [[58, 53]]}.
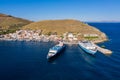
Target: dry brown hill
{"points": [[10, 23]]}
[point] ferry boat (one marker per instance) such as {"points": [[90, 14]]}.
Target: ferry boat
{"points": [[55, 50], [88, 47]]}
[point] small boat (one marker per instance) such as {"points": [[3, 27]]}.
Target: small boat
{"points": [[55, 50], [88, 47]]}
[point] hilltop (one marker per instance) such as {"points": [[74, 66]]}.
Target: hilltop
{"points": [[10, 23], [61, 26], [71, 26]]}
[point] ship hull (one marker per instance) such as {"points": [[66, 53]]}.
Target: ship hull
{"points": [[87, 50], [56, 52]]}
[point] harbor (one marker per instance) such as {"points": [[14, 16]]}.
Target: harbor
{"points": [[36, 35], [59, 40], [73, 59], [32, 56]]}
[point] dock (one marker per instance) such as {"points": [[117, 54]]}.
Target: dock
{"points": [[71, 43], [104, 51], [100, 49]]}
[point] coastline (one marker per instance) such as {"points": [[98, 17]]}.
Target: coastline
{"points": [[48, 40], [100, 49], [68, 38]]}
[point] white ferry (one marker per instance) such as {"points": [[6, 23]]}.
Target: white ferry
{"points": [[88, 47], [55, 50]]}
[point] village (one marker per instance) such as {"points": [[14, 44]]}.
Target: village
{"points": [[36, 35]]}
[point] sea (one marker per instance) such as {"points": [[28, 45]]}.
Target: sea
{"points": [[20, 60]]}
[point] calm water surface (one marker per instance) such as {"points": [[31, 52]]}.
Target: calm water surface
{"points": [[27, 60]]}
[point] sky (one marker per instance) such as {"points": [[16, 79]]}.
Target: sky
{"points": [[83, 10]]}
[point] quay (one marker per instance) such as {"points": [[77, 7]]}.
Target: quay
{"points": [[100, 49], [70, 43], [104, 51]]}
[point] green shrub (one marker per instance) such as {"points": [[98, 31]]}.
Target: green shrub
{"points": [[91, 37]]}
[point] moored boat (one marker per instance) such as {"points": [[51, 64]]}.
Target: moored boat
{"points": [[55, 50], [88, 47]]}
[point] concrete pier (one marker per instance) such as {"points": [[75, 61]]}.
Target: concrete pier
{"points": [[104, 51]]}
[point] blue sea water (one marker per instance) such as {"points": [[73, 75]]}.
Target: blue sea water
{"points": [[27, 60]]}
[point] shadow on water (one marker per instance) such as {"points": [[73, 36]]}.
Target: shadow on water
{"points": [[87, 57]]}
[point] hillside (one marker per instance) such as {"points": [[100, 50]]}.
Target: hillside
{"points": [[9, 23], [63, 26]]}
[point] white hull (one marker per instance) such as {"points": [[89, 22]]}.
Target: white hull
{"points": [[53, 52], [87, 50]]}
